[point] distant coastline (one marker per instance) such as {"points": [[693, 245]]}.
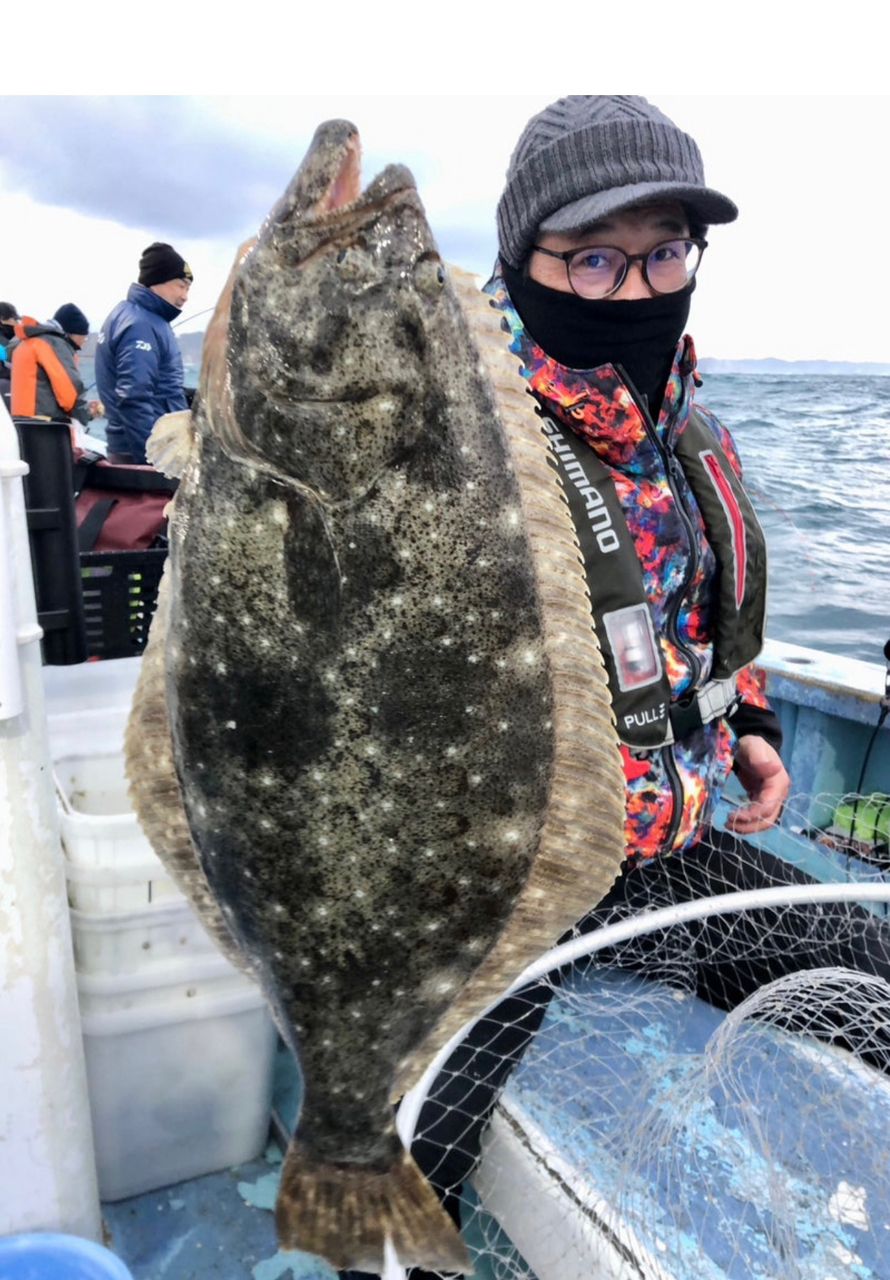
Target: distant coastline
{"points": [[796, 368], [191, 344]]}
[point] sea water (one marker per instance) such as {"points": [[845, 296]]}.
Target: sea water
{"points": [[816, 459]]}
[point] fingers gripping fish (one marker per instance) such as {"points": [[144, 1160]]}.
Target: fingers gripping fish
{"points": [[391, 731]]}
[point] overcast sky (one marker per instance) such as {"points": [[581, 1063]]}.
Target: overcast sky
{"points": [[87, 183]]}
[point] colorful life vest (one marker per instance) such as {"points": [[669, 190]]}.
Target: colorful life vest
{"points": [[641, 693]]}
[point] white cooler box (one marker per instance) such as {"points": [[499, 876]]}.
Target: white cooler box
{"points": [[179, 1074]]}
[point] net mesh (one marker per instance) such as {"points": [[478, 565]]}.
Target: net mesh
{"points": [[710, 1099]]}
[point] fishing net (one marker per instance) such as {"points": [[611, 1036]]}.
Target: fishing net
{"points": [[707, 1099]]}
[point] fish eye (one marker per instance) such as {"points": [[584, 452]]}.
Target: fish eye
{"points": [[429, 276]]}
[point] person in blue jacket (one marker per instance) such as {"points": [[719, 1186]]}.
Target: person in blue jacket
{"points": [[138, 361]]}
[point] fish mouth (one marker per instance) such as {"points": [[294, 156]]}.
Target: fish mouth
{"points": [[326, 190]]}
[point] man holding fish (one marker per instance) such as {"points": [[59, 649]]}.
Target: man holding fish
{"points": [[602, 227]]}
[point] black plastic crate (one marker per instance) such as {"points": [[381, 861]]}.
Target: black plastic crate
{"points": [[120, 592]]}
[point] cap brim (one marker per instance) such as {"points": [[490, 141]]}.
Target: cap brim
{"points": [[709, 206]]}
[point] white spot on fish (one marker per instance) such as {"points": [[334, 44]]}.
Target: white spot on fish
{"points": [[267, 780], [221, 668], [482, 563], [397, 600], [464, 881], [230, 724], [474, 657], [529, 657], [278, 908], [215, 580], [446, 641], [432, 925], [470, 486], [444, 987], [202, 811], [405, 553], [511, 836], [265, 642], [386, 805], [356, 1013], [429, 506], [503, 726], [359, 893], [475, 779], [305, 963], [451, 751]]}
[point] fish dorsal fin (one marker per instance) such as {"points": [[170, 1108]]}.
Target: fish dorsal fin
{"points": [[581, 844], [170, 444]]}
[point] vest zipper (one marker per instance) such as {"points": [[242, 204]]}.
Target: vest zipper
{"points": [[674, 471], [673, 777]]}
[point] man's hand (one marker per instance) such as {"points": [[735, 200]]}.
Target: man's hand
{"points": [[766, 781]]}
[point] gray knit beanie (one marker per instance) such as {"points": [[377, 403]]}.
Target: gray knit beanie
{"points": [[584, 157]]}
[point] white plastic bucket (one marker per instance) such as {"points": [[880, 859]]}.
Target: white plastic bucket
{"points": [[178, 1092], [121, 942]]}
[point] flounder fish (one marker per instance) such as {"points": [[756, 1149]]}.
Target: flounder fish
{"points": [[373, 736]]}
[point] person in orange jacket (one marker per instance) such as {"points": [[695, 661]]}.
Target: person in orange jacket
{"points": [[46, 382]]}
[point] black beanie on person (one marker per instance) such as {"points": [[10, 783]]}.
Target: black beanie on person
{"points": [[72, 320], [160, 263]]}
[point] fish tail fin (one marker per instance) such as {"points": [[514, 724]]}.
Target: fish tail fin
{"points": [[345, 1212], [170, 444]]}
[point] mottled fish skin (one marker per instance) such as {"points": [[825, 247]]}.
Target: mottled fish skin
{"points": [[361, 699]]}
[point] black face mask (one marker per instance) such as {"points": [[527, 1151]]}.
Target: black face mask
{"points": [[7, 332], [581, 333]]}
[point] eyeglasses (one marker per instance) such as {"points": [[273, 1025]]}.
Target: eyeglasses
{"points": [[600, 270]]}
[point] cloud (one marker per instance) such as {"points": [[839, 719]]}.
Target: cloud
{"points": [[144, 162]]}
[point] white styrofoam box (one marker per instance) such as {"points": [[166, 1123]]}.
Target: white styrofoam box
{"points": [[89, 702], [110, 864], [124, 941], [162, 988], [179, 1094]]}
